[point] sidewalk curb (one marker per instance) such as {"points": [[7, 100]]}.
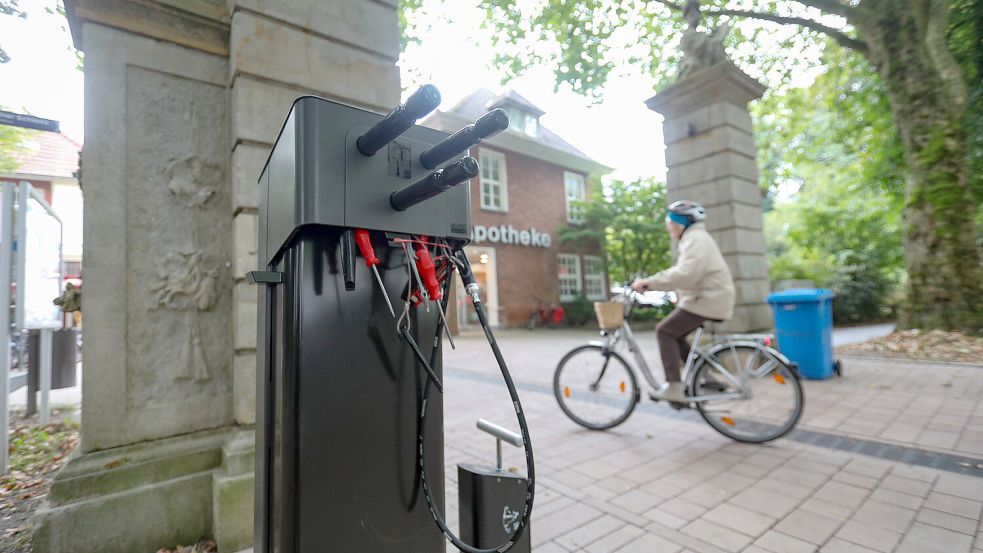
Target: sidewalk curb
{"points": [[904, 360]]}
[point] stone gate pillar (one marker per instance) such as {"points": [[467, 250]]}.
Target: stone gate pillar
{"points": [[183, 100], [710, 153]]}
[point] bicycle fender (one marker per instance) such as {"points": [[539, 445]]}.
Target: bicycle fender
{"points": [[774, 353], [779, 356]]}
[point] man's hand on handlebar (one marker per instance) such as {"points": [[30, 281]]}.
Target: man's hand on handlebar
{"points": [[639, 285]]}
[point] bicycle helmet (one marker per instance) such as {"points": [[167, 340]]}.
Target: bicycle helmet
{"points": [[686, 212]]}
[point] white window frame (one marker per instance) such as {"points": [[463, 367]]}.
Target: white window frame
{"points": [[579, 286], [566, 192], [596, 278], [485, 156]]}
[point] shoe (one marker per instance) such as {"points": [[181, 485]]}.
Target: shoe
{"points": [[674, 392]]}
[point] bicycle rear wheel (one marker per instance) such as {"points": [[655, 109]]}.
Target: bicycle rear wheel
{"points": [[597, 390], [774, 403]]}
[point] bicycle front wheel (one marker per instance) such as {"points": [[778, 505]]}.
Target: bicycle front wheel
{"points": [[771, 405], [597, 390]]}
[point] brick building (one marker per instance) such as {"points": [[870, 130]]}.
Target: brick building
{"points": [[530, 182]]}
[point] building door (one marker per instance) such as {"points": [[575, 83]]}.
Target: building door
{"points": [[486, 275]]}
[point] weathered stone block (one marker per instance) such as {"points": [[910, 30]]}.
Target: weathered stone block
{"points": [[258, 109], [721, 191], [734, 215], [245, 316], [740, 240], [717, 166], [747, 266], [247, 164], [368, 25], [705, 118], [157, 240], [233, 505], [161, 488], [244, 388], [760, 317], [752, 291], [246, 244], [278, 52], [719, 139], [232, 494]]}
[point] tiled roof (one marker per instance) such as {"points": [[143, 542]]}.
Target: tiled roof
{"points": [[49, 154], [481, 101], [513, 97]]}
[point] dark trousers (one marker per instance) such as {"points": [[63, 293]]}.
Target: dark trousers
{"points": [[672, 333]]}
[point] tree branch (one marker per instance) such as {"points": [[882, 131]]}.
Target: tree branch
{"points": [[834, 7], [938, 52], [839, 36], [670, 5]]}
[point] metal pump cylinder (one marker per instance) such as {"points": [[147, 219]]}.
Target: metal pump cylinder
{"points": [[433, 184]]}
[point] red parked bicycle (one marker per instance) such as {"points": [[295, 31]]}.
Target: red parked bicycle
{"points": [[548, 315]]}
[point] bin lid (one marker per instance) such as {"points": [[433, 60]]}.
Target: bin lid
{"points": [[804, 295]]}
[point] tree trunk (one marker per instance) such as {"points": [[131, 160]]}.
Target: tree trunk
{"points": [[945, 278]]}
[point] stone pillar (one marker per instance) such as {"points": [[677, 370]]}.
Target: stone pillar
{"points": [[183, 102], [710, 153], [345, 50]]}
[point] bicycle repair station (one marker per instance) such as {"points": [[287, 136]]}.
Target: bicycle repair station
{"points": [[349, 407]]}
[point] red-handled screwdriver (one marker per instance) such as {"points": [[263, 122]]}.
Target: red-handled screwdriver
{"points": [[364, 242], [428, 272]]}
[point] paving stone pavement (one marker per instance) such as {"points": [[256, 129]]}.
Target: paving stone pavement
{"points": [[662, 483]]}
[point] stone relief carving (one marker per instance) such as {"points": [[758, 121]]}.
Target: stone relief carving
{"points": [[700, 49], [186, 282], [192, 180]]}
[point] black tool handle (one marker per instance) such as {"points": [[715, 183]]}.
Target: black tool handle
{"points": [[490, 124], [434, 183], [348, 258], [420, 103]]}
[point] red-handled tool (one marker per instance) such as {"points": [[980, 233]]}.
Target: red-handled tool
{"points": [[364, 242], [428, 272]]}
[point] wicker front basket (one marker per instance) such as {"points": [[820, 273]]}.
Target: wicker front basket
{"points": [[610, 315]]}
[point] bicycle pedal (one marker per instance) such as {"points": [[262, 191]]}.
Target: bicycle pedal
{"points": [[679, 406]]}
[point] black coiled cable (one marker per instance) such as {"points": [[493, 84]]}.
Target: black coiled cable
{"points": [[461, 260]]}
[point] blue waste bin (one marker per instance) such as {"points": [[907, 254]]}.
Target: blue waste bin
{"points": [[804, 324]]}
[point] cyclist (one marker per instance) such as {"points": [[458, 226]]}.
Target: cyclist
{"points": [[704, 288]]}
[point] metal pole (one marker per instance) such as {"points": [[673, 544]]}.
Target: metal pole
{"points": [[20, 254], [498, 454], [6, 258], [45, 374]]}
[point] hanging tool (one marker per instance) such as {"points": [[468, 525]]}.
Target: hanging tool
{"points": [[427, 270], [364, 242], [348, 259]]}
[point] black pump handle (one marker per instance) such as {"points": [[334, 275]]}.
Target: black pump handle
{"points": [[487, 126], [434, 183], [420, 103]]}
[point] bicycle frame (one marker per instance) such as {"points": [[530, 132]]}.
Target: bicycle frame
{"points": [[696, 352]]}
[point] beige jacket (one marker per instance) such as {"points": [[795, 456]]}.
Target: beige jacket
{"points": [[700, 276]]}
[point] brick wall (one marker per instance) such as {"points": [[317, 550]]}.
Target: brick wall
{"points": [[536, 199]]}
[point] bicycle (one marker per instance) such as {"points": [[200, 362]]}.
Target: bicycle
{"points": [[742, 387], [547, 315]]}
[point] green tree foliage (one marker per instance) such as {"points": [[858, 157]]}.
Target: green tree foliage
{"points": [[11, 144], [925, 51], [836, 143], [10, 7], [627, 217]]}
